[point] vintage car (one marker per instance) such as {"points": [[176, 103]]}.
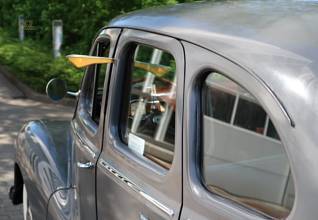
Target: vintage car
{"points": [[195, 111]]}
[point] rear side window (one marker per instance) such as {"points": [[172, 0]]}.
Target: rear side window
{"points": [[243, 158], [149, 107]]}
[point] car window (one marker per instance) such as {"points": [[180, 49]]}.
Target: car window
{"points": [[149, 117], [243, 158], [93, 86], [103, 51]]}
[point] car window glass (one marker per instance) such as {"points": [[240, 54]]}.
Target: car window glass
{"points": [[87, 92], [103, 51], [250, 115], [243, 158], [149, 128], [93, 85], [271, 131]]}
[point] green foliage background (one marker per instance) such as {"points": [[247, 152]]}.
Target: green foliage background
{"points": [[81, 18], [32, 60], [34, 65]]}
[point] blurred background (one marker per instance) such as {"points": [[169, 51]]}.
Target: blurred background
{"points": [[26, 34]]}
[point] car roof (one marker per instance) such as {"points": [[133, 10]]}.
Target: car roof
{"points": [[287, 24]]}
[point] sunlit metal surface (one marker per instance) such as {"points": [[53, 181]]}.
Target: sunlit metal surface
{"points": [[44, 151]]}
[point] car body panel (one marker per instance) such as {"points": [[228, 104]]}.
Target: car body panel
{"points": [[148, 178], [63, 205], [198, 203], [44, 154], [88, 138]]}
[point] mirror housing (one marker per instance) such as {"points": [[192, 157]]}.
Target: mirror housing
{"points": [[56, 89]]}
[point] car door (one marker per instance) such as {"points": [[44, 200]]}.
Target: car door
{"points": [[88, 123], [139, 170], [236, 165]]}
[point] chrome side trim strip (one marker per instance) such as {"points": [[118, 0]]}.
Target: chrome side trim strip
{"points": [[135, 188], [155, 202]]}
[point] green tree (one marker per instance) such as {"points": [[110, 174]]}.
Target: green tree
{"points": [[81, 18]]}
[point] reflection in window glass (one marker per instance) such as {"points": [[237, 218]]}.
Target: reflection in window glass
{"points": [[88, 86], [250, 115], [271, 131], [245, 167], [88, 89], [103, 51], [150, 130], [220, 104], [93, 85]]}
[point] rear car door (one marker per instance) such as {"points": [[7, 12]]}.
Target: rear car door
{"points": [[236, 164], [88, 123], [139, 170]]}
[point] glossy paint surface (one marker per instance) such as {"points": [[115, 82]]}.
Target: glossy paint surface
{"points": [[44, 153], [289, 25], [63, 205]]}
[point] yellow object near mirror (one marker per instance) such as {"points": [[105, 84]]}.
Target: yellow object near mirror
{"points": [[81, 61]]}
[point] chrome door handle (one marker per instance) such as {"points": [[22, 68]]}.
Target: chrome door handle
{"points": [[88, 165]]}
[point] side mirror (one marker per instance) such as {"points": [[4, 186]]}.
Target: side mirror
{"points": [[56, 89]]}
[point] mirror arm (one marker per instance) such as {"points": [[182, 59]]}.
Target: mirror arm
{"points": [[74, 93]]}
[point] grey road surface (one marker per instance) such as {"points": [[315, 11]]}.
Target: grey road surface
{"points": [[14, 112]]}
